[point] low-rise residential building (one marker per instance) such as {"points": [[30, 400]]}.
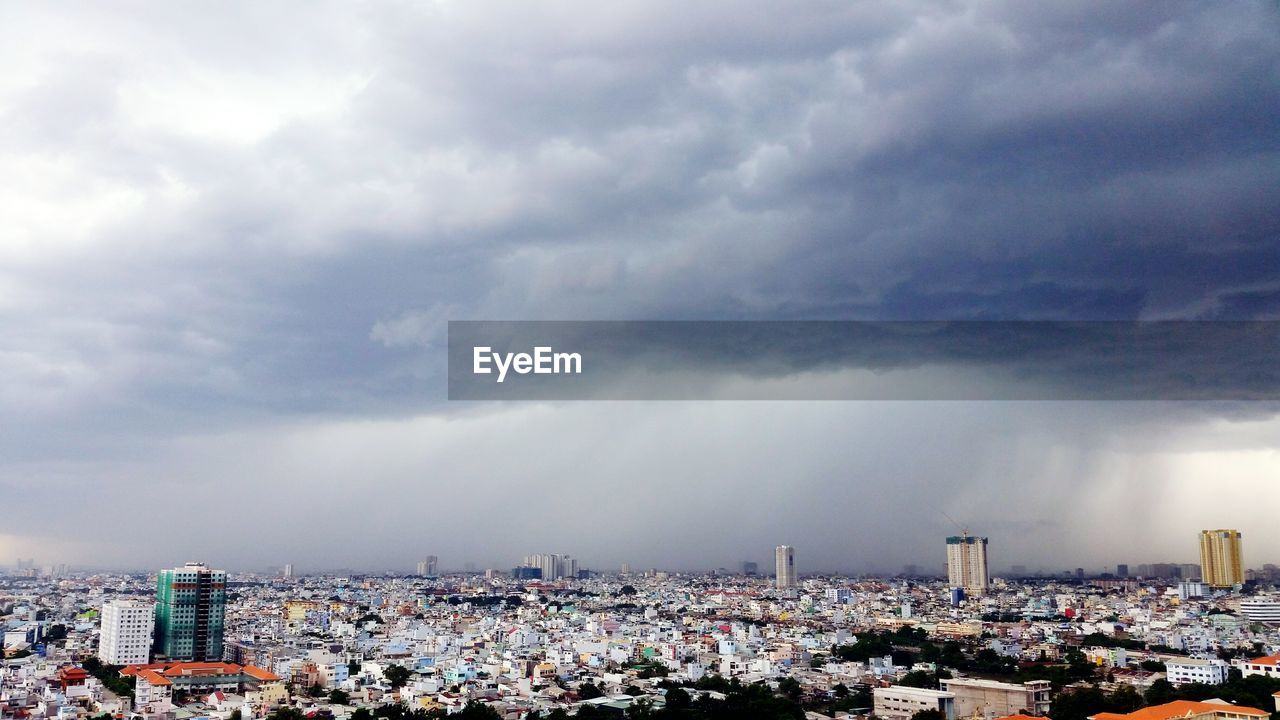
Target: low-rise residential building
{"points": [[1268, 665]]}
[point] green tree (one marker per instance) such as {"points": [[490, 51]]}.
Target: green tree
{"points": [[476, 711], [1160, 692], [397, 675], [589, 691], [678, 698], [930, 653], [952, 655], [1125, 699], [929, 715], [919, 679], [339, 697], [790, 688], [1078, 704]]}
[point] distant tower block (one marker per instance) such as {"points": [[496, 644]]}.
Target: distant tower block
{"points": [[967, 563]]}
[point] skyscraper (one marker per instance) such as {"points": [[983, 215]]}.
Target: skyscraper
{"points": [[1221, 560], [127, 629], [967, 563], [190, 607], [288, 571], [785, 565], [430, 567]]}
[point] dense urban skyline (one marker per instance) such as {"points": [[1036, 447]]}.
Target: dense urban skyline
{"points": [[963, 569], [234, 234], [559, 360]]}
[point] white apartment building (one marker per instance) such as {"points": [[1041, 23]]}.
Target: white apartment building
{"points": [[1190, 670], [127, 629], [901, 702], [785, 565], [1262, 609], [967, 563], [553, 566], [1268, 666]]}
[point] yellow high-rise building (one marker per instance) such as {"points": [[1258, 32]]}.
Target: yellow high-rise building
{"points": [[1221, 565]]}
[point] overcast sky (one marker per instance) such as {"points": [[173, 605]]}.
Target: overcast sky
{"points": [[232, 234]]}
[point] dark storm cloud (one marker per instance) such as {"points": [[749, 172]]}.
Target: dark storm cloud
{"points": [[1019, 360], [231, 220]]}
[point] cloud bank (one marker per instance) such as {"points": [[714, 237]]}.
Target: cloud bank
{"points": [[238, 227]]}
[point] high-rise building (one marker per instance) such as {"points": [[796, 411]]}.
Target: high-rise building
{"points": [[750, 568], [430, 567], [554, 566], [1220, 558], [127, 629], [967, 563], [547, 564], [1122, 571], [288, 571], [190, 608], [784, 558]]}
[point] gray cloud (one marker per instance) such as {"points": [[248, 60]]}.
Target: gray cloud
{"points": [[896, 360], [232, 225]]}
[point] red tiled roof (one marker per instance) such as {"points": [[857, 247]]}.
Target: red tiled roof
{"points": [[195, 669], [1180, 709], [201, 668], [258, 673], [1266, 660], [154, 678], [137, 669]]}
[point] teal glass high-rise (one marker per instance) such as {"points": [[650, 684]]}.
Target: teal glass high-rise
{"points": [[191, 606]]}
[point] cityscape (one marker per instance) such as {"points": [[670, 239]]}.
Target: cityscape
{"points": [[553, 638], [640, 360]]}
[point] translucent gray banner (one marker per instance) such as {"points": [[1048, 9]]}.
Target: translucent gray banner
{"points": [[818, 360]]}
